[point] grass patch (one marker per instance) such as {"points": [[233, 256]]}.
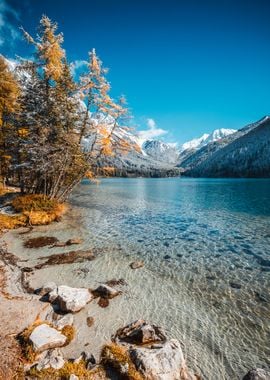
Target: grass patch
{"points": [[118, 357], [12, 221], [34, 202], [35, 209], [38, 208], [69, 332], [78, 369]]}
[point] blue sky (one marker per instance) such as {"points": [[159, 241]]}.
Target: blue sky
{"points": [[190, 66]]}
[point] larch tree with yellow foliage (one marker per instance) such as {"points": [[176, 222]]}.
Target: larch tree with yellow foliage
{"points": [[9, 92], [48, 116]]}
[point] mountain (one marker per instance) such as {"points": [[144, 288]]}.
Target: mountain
{"points": [[245, 153], [160, 151], [206, 138]]}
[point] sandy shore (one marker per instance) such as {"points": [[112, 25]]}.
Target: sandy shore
{"points": [[22, 272]]}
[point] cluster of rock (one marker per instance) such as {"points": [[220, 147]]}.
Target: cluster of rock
{"points": [[144, 346]]}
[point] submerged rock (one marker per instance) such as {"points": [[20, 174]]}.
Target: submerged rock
{"points": [[106, 291], [257, 374], [70, 299], [44, 337], [51, 359], [140, 332], [74, 241], [137, 264]]}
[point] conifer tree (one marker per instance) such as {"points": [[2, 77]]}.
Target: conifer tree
{"points": [[9, 92]]}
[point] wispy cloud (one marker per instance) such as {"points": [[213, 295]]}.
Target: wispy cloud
{"points": [[77, 66], [8, 32], [152, 132]]}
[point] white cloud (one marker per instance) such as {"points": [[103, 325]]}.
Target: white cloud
{"points": [[152, 132], [9, 33], [78, 64]]}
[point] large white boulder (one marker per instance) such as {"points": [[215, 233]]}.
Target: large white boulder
{"points": [[160, 361], [44, 337], [70, 299]]}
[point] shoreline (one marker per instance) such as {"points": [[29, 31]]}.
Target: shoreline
{"points": [[20, 278]]}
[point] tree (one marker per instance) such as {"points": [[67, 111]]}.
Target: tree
{"points": [[9, 92], [54, 114]]}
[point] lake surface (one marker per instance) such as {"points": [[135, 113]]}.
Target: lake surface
{"points": [[206, 280]]}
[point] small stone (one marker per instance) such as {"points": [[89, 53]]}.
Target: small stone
{"points": [[234, 285], [59, 244], [90, 321], [137, 264], [44, 337], [74, 241], [89, 359], [51, 359], [103, 302], [66, 320], [47, 288], [73, 377], [257, 374], [106, 291]]}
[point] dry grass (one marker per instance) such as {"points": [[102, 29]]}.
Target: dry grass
{"points": [[10, 222], [69, 332], [118, 357], [38, 208], [35, 210], [78, 369]]}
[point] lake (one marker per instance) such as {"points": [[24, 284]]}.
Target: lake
{"points": [[206, 248]]}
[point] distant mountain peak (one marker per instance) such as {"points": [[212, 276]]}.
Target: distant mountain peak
{"points": [[161, 151], [206, 138]]}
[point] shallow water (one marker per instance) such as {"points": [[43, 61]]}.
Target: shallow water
{"points": [[206, 247]]}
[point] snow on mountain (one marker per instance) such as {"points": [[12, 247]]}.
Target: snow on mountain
{"points": [[206, 138], [160, 151], [247, 154]]}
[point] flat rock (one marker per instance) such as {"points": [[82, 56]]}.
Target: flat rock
{"points": [[257, 374], [66, 320], [44, 337], [163, 362], [136, 264], [51, 359], [140, 332], [106, 291], [70, 299]]}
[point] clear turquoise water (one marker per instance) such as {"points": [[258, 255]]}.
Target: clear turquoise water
{"points": [[206, 246]]}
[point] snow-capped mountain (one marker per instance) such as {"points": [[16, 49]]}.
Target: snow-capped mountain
{"points": [[160, 151], [206, 138], [245, 153]]}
